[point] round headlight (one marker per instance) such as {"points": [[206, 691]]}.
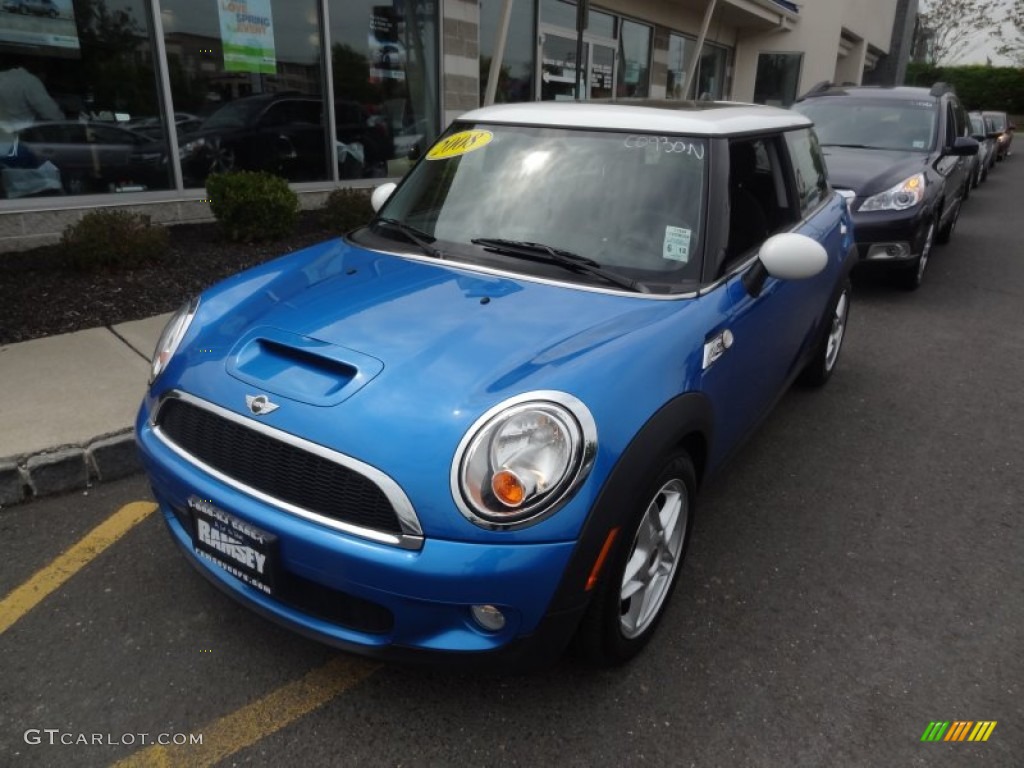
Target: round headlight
{"points": [[519, 462], [171, 337]]}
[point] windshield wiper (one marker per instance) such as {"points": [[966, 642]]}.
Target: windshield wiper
{"points": [[568, 259], [416, 236], [851, 146]]}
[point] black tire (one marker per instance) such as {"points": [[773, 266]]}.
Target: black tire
{"points": [[910, 278], [826, 354], [614, 629]]}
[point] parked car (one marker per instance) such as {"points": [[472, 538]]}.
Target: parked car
{"points": [[1002, 123], [34, 7], [283, 133], [983, 133], [475, 429], [153, 127], [98, 157], [902, 158]]}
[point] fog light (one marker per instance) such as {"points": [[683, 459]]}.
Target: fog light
{"points": [[886, 251], [488, 617]]}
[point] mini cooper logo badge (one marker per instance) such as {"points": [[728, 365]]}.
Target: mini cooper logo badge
{"points": [[260, 404]]}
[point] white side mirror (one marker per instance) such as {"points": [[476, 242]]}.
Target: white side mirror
{"points": [[790, 256], [381, 194]]}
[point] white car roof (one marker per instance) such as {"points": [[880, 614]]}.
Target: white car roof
{"points": [[683, 117]]}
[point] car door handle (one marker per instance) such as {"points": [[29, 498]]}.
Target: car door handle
{"points": [[715, 346]]}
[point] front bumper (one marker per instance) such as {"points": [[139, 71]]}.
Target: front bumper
{"points": [[895, 238], [374, 599]]}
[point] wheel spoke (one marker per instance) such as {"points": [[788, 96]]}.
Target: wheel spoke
{"points": [[650, 568]]}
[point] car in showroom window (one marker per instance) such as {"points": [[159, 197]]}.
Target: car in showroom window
{"points": [[474, 430]]}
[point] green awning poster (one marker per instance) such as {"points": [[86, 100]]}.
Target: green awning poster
{"points": [[247, 35]]}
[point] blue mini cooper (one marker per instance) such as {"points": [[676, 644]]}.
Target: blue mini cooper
{"points": [[475, 429]]}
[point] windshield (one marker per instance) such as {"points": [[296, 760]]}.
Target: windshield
{"points": [[872, 123], [998, 122], [977, 125], [628, 203]]}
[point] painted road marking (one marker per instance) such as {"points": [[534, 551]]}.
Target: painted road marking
{"points": [[256, 721], [45, 581]]}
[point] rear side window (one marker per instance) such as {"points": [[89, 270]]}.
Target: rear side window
{"points": [[809, 169]]}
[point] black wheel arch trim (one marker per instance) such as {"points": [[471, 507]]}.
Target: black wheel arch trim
{"points": [[685, 421]]}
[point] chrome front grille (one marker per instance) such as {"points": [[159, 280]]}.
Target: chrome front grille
{"points": [[294, 474]]}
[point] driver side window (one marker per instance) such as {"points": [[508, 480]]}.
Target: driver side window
{"points": [[758, 204]]}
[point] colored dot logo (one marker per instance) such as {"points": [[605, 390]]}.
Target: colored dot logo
{"points": [[958, 730]]}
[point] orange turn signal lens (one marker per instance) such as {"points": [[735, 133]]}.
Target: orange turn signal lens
{"points": [[508, 488]]}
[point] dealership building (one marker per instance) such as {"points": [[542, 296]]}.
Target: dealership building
{"points": [[132, 103]]}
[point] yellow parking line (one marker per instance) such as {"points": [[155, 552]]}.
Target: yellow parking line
{"points": [[258, 720], [32, 592]]}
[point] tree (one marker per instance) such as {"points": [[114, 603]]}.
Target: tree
{"points": [[1011, 33], [955, 27]]}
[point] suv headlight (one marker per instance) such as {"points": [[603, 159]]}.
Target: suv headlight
{"points": [[520, 461], [904, 195], [171, 337]]}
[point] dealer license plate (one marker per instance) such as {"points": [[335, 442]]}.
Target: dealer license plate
{"points": [[246, 552]]}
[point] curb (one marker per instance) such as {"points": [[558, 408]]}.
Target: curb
{"points": [[68, 468]]}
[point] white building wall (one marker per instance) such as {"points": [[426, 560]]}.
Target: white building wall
{"points": [[817, 34]]}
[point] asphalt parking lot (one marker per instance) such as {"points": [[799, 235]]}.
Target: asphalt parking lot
{"points": [[857, 572]]}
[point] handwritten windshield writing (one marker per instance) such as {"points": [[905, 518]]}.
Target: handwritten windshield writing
{"points": [[665, 144]]}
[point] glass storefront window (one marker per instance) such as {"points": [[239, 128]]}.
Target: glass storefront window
{"points": [[635, 57], [247, 87], [385, 66], [515, 81], [711, 72], [777, 78], [561, 13], [711, 69], [79, 103], [679, 51]]}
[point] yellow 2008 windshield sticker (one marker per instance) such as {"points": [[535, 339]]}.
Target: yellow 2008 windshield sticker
{"points": [[459, 144]]}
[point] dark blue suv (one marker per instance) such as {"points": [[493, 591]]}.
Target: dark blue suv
{"points": [[902, 158]]}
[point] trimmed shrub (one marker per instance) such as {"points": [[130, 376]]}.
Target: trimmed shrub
{"points": [[978, 86], [346, 209], [252, 206], [112, 240]]}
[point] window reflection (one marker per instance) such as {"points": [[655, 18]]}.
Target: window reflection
{"points": [[635, 55], [384, 59], [515, 80], [246, 85], [77, 80]]}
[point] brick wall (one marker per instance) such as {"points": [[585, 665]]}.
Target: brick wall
{"points": [[461, 48]]}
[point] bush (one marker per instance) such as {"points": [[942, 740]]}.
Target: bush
{"points": [[346, 209], [113, 239], [978, 86], [253, 206]]}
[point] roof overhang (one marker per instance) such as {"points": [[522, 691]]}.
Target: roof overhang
{"points": [[759, 15]]}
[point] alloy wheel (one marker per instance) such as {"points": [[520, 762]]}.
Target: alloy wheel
{"points": [[653, 558]]}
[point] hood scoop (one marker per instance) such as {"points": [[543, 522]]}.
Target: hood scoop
{"points": [[299, 367]]}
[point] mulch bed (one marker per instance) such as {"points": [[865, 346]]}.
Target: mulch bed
{"points": [[41, 295]]}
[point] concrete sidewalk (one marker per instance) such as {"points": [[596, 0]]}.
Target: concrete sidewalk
{"points": [[67, 406]]}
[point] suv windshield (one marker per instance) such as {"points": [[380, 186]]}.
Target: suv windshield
{"points": [[872, 123], [505, 196]]}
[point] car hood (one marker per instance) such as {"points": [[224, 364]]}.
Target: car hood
{"points": [[422, 322], [870, 171], [391, 360]]}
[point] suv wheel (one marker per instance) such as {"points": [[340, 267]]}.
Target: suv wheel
{"points": [[910, 278]]}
